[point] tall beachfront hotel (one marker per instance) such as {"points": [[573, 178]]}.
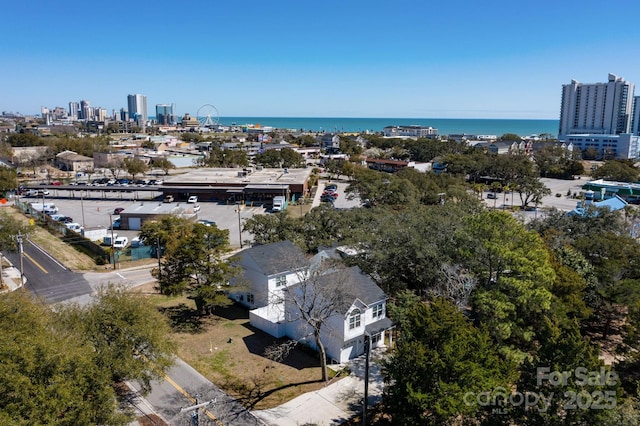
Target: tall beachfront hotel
{"points": [[598, 108], [138, 108], [597, 118]]}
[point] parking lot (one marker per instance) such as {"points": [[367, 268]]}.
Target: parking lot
{"points": [[93, 212]]}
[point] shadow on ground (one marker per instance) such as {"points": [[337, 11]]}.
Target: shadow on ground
{"points": [[183, 319]]}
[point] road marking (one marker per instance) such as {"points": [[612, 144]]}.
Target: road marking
{"points": [[118, 274], [36, 263], [53, 259], [190, 398]]}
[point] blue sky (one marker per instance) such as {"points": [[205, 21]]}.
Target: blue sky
{"points": [[330, 58]]}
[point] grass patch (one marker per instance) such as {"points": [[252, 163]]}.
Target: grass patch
{"points": [[229, 352]]}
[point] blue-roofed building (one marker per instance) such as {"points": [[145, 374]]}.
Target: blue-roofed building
{"points": [[589, 207]]}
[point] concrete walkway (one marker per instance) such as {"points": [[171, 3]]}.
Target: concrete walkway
{"points": [[10, 276], [333, 404]]}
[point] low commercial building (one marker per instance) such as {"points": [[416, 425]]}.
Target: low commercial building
{"points": [[135, 216], [622, 147], [249, 185]]}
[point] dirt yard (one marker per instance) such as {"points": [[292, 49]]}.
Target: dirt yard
{"points": [[229, 352]]}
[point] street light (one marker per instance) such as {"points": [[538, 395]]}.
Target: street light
{"points": [[113, 253]]}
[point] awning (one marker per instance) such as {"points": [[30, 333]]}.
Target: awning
{"points": [[378, 327]]}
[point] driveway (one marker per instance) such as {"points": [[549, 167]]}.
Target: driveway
{"points": [[333, 404]]}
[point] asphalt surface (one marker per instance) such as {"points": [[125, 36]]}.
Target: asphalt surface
{"points": [[47, 278]]}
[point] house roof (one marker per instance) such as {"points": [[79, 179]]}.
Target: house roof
{"points": [[276, 258], [358, 285]]}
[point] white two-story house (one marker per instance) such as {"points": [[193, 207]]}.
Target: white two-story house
{"points": [[277, 279], [266, 270]]}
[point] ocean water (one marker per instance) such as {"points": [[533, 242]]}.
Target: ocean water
{"points": [[445, 126]]}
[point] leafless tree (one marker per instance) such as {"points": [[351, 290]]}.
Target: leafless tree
{"points": [[455, 284], [322, 293]]}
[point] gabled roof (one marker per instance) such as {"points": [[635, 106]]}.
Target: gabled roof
{"points": [[357, 285], [276, 258]]}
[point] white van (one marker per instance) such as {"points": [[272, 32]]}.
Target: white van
{"points": [[120, 242]]}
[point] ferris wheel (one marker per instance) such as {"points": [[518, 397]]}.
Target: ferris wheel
{"points": [[208, 115]]}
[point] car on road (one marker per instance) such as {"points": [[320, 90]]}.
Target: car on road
{"points": [[193, 199], [118, 210]]}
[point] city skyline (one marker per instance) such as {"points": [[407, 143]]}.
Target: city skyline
{"points": [[493, 59]]}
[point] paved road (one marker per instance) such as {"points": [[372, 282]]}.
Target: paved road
{"points": [[47, 278], [179, 390]]}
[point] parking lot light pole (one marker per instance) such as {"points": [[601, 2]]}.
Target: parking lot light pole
{"points": [[239, 210], [113, 253]]}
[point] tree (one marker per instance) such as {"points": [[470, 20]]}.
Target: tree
{"points": [[510, 137], [8, 180], [163, 164], [127, 334], [531, 190], [514, 276], [192, 261], [115, 166], [135, 166], [48, 375], [617, 170], [441, 362]]}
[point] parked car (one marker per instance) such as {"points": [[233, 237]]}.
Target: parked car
{"points": [[42, 192], [74, 226], [196, 208], [193, 199], [168, 199], [206, 222], [492, 196], [116, 224], [118, 210], [331, 187], [120, 242], [56, 183], [137, 242]]}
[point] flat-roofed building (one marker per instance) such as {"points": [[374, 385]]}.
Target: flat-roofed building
{"points": [[249, 185], [413, 131]]}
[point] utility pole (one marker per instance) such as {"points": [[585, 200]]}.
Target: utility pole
{"points": [[19, 241], [367, 352], [194, 409], [158, 253]]}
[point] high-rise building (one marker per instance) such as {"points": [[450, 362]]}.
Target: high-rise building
{"points": [[598, 108], [124, 114], [86, 112], [74, 108], [164, 114], [138, 108]]}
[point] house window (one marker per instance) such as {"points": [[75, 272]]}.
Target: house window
{"points": [[378, 311], [250, 298], [281, 281], [376, 338], [354, 319]]}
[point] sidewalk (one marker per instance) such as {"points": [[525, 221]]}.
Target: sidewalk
{"points": [[333, 404], [10, 276]]}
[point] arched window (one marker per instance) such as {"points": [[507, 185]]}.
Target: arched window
{"points": [[354, 319]]}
